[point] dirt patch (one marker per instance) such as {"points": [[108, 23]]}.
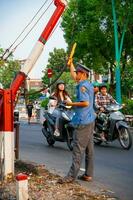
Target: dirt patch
{"points": [[42, 185]]}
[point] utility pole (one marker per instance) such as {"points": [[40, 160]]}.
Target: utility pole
{"points": [[118, 51]]}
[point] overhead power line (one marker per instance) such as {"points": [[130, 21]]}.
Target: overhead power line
{"points": [[7, 52]]}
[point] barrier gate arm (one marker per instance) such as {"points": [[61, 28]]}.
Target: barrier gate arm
{"points": [[38, 48], [7, 96]]}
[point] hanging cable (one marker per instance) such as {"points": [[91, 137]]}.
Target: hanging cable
{"points": [[7, 51], [33, 26], [61, 72], [71, 50]]}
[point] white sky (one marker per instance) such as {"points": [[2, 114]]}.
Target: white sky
{"points": [[14, 16]]}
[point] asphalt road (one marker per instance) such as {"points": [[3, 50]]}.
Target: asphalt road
{"points": [[113, 165]]}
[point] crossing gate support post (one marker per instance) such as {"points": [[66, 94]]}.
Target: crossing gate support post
{"points": [[6, 133]]}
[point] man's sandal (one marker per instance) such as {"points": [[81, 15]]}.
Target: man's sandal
{"points": [[85, 178]]}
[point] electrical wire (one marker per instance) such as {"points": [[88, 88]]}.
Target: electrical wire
{"points": [[33, 25], [28, 23], [7, 51]]}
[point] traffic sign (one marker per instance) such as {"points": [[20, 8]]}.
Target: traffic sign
{"points": [[49, 73]]}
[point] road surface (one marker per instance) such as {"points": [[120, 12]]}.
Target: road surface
{"points": [[113, 165]]}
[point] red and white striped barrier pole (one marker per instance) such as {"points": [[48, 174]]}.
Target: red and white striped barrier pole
{"points": [[22, 187], [7, 133], [6, 129], [39, 46]]}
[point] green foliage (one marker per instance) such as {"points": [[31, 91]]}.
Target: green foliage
{"points": [[128, 107], [90, 24], [56, 62], [32, 95], [127, 81], [8, 70], [44, 103]]}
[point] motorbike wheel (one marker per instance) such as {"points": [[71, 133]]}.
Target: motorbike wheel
{"points": [[125, 138], [50, 141], [45, 131]]}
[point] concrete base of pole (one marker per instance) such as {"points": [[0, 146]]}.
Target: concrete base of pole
{"points": [[8, 153], [22, 186]]}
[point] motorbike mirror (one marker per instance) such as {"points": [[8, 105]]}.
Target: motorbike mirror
{"points": [[123, 105]]}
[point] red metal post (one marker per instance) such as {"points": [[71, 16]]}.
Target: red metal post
{"points": [[1, 108], [17, 83], [7, 111]]}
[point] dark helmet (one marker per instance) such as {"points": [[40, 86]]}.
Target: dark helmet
{"points": [[60, 82], [103, 85], [82, 68]]}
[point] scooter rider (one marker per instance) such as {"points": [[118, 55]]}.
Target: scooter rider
{"points": [[60, 95], [83, 122], [102, 99]]}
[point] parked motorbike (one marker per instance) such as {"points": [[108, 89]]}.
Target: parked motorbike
{"points": [[66, 129], [112, 124]]}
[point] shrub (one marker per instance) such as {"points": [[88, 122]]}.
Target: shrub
{"points": [[44, 103], [128, 109]]}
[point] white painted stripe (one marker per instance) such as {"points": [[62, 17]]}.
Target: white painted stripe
{"points": [[33, 57], [64, 2], [8, 152]]}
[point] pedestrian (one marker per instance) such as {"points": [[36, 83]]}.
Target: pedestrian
{"points": [[29, 107], [83, 122], [37, 107]]}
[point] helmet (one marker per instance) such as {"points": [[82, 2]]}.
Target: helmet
{"points": [[60, 82], [96, 84]]}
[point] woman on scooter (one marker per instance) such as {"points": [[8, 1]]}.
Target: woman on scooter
{"points": [[60, 95]]}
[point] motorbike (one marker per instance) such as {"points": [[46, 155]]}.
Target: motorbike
{"points": [[65, 127], [112, 124]]}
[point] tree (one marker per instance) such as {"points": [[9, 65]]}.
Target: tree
{"points": [[56, 62], [127, 80], [90, 24], [8, 70], [32, 95]]}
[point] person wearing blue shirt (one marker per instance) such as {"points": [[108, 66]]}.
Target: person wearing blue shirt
{"points": [[83, 121]]}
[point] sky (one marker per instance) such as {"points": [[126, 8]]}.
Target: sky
{"points": [[14, 16]]}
